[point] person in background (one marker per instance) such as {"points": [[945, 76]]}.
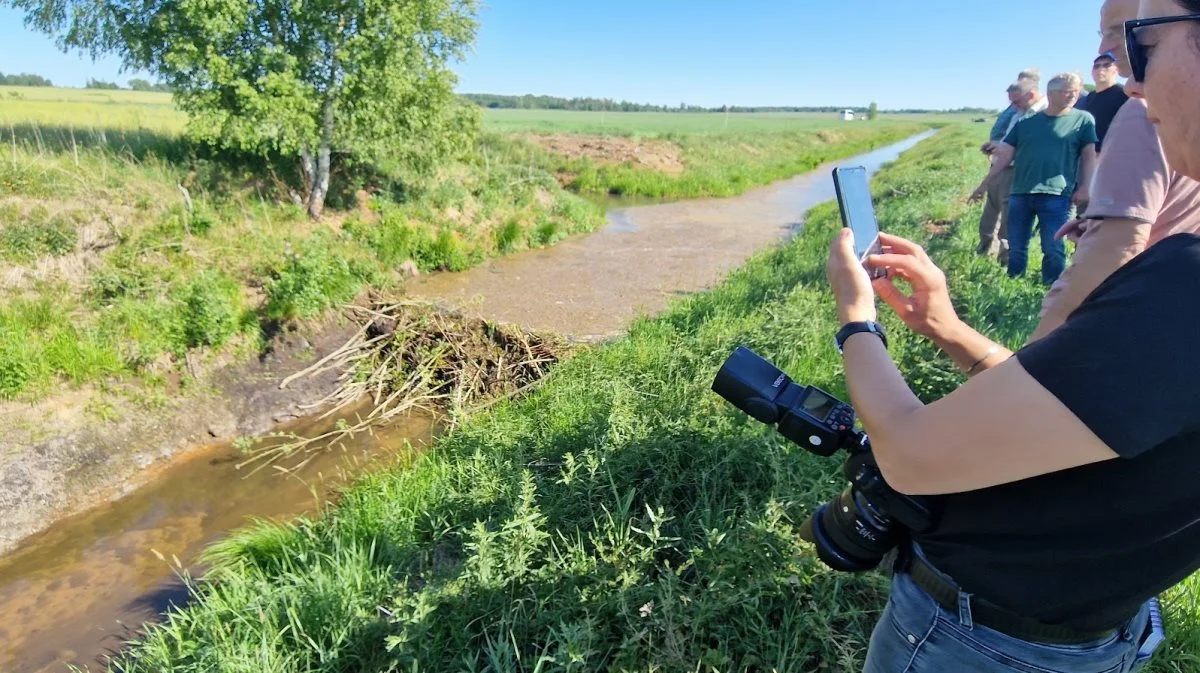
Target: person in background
{"points": [[1004, 120], [1137, 199], [1024, 101], [1108, 98], [1053, 154]]}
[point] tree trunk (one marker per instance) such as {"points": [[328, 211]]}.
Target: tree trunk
{"points": [[320, 176], [308, 169]]}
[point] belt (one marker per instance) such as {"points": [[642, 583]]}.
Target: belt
{"points": [[946, 594]]}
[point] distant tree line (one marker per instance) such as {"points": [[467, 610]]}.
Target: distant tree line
{"points": [[101, 84], [531, 102], [146, 85], [24, 79], [29, 79], [134, 85]]}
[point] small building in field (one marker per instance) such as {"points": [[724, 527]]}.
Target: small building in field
{"points": [[847, 115]]}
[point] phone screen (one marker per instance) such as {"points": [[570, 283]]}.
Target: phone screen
{"points": [[854, 197]]}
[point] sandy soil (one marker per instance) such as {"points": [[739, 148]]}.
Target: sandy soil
{"points": [[656, 155]]}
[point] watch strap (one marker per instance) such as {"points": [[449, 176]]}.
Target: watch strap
{"points": [[852, 328]]}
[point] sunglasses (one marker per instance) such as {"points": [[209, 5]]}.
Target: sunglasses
{"points": [[1139, 57]]}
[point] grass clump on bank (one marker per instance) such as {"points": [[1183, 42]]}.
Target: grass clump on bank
{"points": [[620, 517]]}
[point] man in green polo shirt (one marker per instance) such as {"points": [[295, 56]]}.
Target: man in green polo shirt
{"points": [[1054, 156]]}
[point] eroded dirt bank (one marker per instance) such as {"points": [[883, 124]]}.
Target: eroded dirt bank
{"points": [[56, 458]]}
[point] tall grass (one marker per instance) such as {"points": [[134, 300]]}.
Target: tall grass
{"points": [[621, 517]]}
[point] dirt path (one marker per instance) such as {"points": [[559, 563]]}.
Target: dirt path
{"points": [[591, 287]]}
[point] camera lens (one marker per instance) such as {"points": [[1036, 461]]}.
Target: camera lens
{"points": [[850, 534]]}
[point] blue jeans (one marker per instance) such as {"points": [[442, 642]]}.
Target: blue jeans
{"points": [[916, 635], [1052, 213]]}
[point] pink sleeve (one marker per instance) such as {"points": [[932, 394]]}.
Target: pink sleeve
{"points": [[1131, 177]]}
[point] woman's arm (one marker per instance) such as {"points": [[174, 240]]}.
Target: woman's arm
{"points": [[999, 427]]}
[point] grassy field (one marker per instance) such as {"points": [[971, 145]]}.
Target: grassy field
{"points": [[154, 111], [125, 251], [85, 109], [621, 517], [656, 124]]}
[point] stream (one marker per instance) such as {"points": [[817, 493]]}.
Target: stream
{"points": [[76, 592]]}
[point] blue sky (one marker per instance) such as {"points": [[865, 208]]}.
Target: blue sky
{"points": [[900, 53]]}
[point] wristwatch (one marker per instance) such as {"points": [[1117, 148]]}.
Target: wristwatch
{"points": [[856, 327]]}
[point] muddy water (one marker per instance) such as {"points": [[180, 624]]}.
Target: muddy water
{"points": [[591, 287], [72, 594]]}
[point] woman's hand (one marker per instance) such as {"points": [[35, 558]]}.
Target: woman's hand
{"points": [[927, 311], [849, 280]]}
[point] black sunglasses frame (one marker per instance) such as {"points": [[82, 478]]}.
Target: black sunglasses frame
{"points": [[1137, 54]]}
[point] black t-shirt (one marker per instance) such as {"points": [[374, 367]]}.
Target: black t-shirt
{"points": [[1104, 106], [1086, 547]]}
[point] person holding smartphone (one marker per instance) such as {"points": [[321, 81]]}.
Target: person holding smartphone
{"points": [[1066, 471]]}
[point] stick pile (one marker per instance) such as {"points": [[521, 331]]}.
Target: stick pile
{"points": [[413, 355]]}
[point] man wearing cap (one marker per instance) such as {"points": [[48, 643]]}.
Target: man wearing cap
{"points": [[1108, 97]]}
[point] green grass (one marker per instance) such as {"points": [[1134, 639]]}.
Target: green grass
{"points": [[90, 109], [96, 108], [93, 219], [621, 517]]}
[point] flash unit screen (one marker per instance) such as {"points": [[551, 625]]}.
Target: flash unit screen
{"points": [[818, 405]]}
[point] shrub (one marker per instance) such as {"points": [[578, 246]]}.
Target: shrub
{"points": [[310, 281], [37, 235], [209, 307]]}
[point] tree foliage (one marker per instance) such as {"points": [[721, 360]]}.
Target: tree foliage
{"points": [[101, 84], [365, 80], [23, 79], [873, 111], [137, 84]]}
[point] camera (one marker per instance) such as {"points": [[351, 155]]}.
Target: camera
{"points": [[855, 530]]}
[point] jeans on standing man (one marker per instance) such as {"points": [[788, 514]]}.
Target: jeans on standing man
{"points": [[1052, 212]]}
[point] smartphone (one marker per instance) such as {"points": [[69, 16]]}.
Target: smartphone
{"points": [[858, 213]]}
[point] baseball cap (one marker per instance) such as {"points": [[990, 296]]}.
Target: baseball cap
{"points": [[1106, 56]]}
